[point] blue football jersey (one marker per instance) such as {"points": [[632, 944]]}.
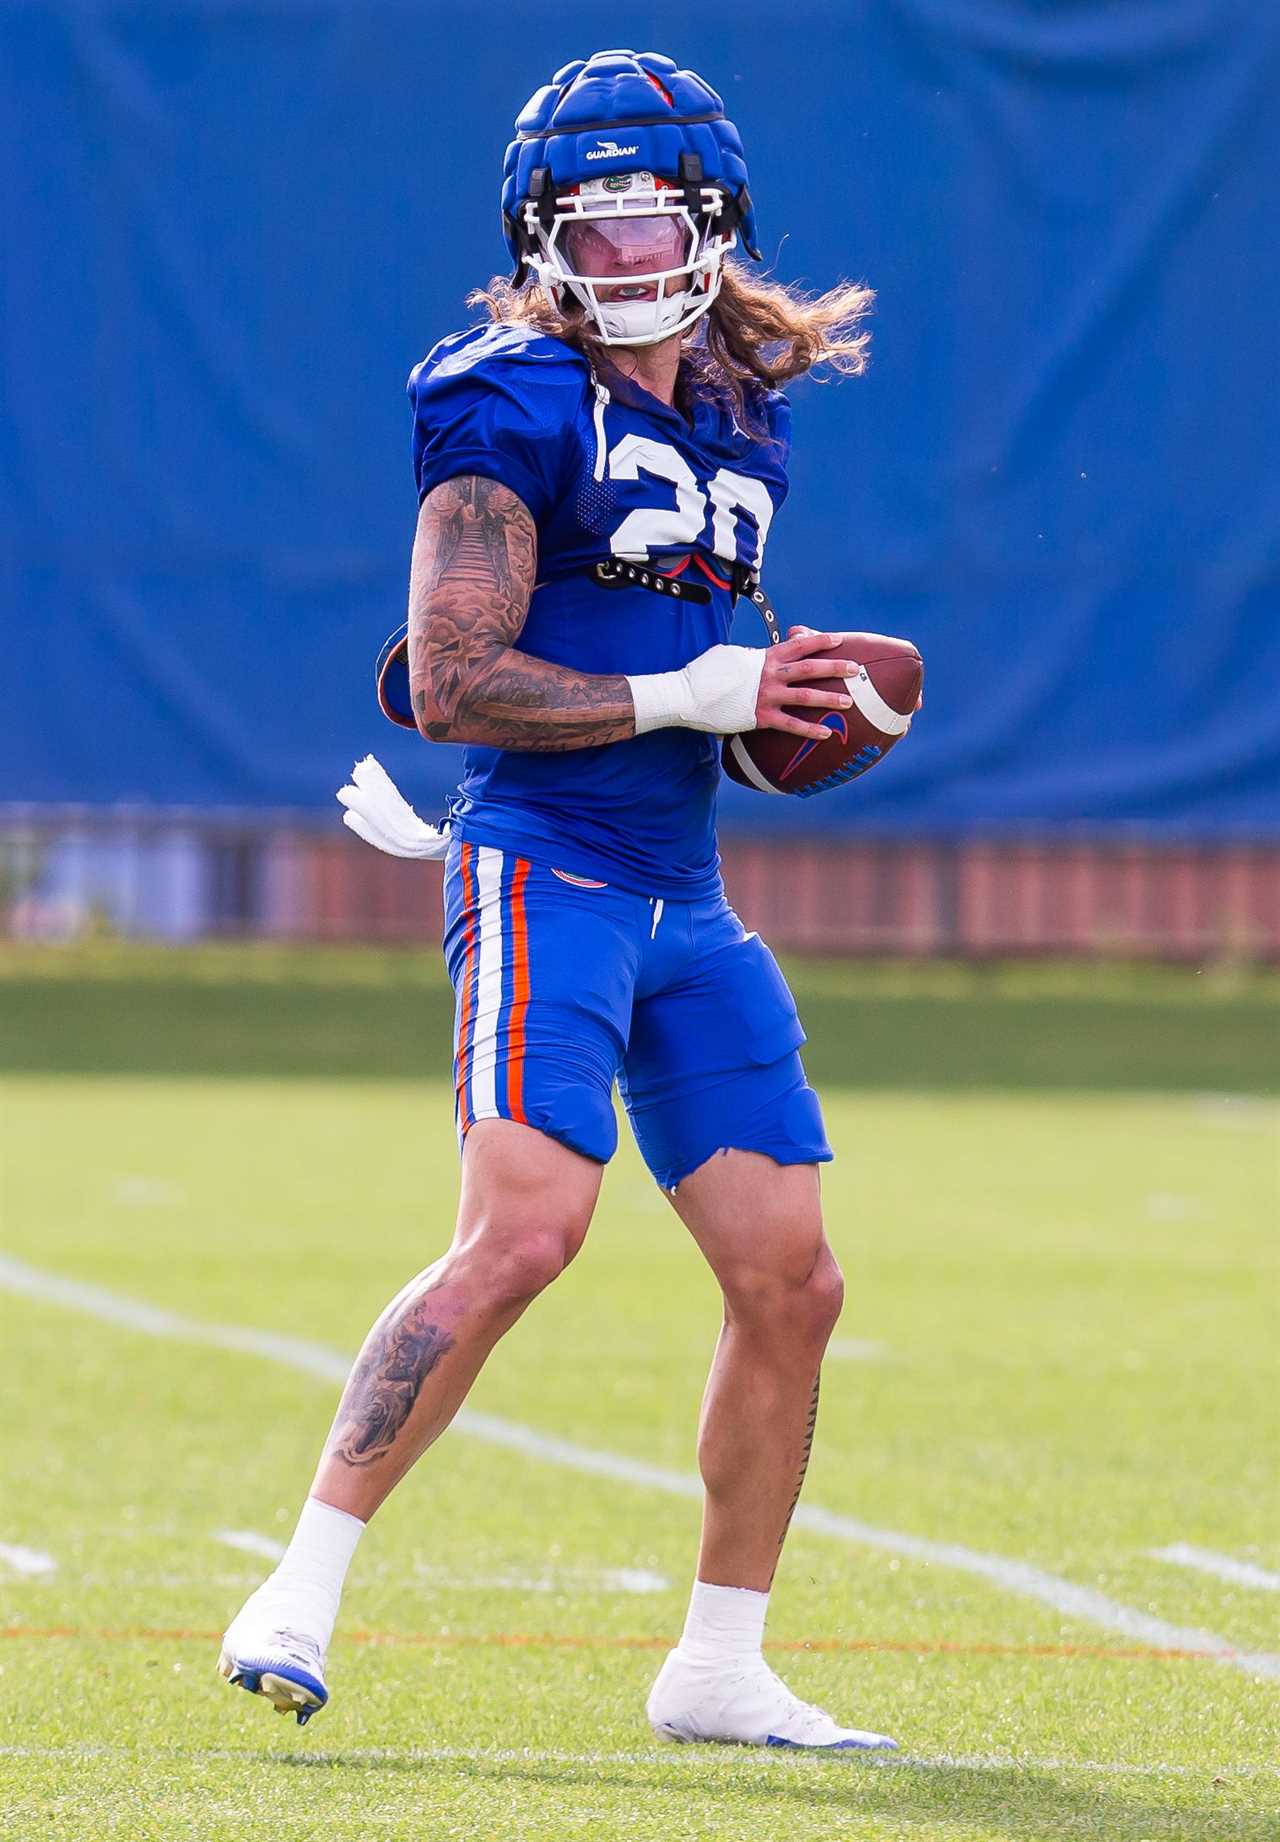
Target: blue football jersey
{"points": [[606, 470]]}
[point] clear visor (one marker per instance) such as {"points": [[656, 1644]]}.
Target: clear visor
{"points": [[614, 248]]}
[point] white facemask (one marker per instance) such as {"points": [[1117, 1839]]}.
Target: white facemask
{"points": [[630, 251]]}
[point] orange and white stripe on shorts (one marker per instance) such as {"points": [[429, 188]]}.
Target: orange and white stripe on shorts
{"points": [[493, 999]]}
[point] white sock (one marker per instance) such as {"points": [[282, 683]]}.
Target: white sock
{"points": [[307, 1584], [725, 1624]]}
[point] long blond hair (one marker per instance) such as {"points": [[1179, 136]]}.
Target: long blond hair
{"points": [[757, 335]]}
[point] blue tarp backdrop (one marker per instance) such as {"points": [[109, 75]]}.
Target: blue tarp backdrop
{"points": [[228, 230]]}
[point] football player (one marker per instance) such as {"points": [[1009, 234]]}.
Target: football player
{"points": [[597, 470]]}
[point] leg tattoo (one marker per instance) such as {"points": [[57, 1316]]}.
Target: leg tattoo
{"points": [[385, 1383], [804, 1456]]}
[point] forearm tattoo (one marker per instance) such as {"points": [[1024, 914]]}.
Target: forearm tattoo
{"points": [[386, 1382], [474, 564], [804, 1456]]}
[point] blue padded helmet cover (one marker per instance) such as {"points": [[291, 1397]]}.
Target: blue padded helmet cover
{"points": [[607, 115]]}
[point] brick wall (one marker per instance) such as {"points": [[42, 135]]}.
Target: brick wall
{"points": [[193, 877], [968, 900]]}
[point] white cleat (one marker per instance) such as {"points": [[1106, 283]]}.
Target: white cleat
{"points": [[748, 1704], [268, 1656]]}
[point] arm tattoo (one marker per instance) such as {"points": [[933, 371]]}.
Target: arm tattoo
{"points": [[474, 563], [385, 1384]]}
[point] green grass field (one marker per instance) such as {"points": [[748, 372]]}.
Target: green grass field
{"points": [[1056, 1202]]}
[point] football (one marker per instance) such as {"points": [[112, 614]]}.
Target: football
{"points": [[885, 693]]}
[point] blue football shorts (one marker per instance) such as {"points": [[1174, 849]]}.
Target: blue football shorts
{"points": [[564, 985]]}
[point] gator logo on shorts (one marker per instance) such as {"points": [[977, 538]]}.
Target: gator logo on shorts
{"points": [[577, 882]]}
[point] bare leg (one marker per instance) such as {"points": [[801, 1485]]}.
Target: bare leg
{"points": [[525, 1205], [759, 1224], [526, 1202], [760, 1227]]}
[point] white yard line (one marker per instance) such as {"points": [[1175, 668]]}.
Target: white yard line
{"points": [[146, 1193], [633, 1580], [1012, 1762], [1221, 1566], [1012, 1576], [31, 1563], [1029, 1582], [732, 1759], [855, 1349], [575, 1580], [1247, 1112], [154, 1321], [249, 1543]]}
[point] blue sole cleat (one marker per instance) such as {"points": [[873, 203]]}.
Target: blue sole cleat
{"points": [[290, 1690], [870, 1742]]}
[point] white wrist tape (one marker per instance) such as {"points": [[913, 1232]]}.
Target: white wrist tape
{"points": [[715, 692]]}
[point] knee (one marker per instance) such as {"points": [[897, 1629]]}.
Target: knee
{"points": [[825, 1293], [525, 1207], [505, 1268], [802, 1305]]}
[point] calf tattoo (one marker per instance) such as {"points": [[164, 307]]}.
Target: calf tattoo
{"points": [[804, 1456], [384, 1385]]}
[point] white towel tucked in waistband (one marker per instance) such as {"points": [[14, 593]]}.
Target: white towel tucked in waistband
{"points": [[378, 812]]}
